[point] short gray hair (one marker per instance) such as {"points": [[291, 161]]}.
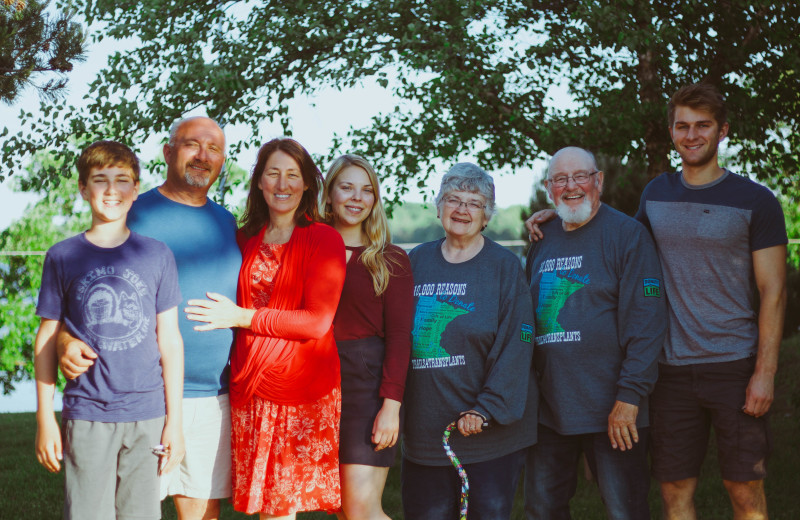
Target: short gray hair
{"points": [[468, 177]]}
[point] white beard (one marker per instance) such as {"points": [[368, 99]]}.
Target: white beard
{"points": [[577, 215]]}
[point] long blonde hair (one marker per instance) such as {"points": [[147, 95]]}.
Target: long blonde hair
{"points": [[375, 228]]}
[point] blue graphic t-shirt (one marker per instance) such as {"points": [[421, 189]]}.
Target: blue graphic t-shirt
{"points": [[600, 320], [109, 298], [472, 346]]}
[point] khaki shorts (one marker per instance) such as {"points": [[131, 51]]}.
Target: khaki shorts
{"points": [[110, 469], [205, 471]]}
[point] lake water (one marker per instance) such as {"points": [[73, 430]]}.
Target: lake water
{"points": [[24, 399]]}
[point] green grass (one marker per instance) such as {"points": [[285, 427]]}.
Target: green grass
{"points": [[30, 492]]}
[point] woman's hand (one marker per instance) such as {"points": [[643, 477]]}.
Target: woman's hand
{"points": [[218, 312], [471, 422], [386, 428]]}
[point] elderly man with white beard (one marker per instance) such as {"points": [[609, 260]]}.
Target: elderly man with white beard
{"points": [[600, 314]]}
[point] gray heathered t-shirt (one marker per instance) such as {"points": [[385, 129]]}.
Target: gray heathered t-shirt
{"points": [[600, 320], [706, 236]]}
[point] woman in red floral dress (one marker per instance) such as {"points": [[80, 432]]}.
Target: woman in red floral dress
{"points": [[285, 389]]}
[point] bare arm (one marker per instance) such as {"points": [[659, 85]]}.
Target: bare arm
{"points": [[540, 217], [170, 345], [48, 434], [74, 356], [769, 267]]}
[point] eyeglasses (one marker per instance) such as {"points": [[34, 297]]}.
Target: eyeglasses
{"points": [[471, 205], [579, 178]]}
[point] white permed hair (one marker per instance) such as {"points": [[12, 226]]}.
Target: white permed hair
{"points": [[471, 178]]}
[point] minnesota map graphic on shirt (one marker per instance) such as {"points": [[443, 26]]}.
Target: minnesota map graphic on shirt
{"points": [[432, 317], [553, 293]]}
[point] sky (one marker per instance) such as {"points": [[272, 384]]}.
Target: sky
{"points": [[315, 121]]}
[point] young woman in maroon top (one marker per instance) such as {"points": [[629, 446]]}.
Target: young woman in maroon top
{"points": [[372, 328]]}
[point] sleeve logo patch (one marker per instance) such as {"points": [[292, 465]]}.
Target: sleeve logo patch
{"points": [[526, 333], [652, 288]]}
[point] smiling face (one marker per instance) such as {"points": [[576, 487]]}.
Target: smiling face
{"points": [[282, 184], [463, 214], [352, 197], [696, 136], [110, 192], [196, 153], [576, 204]]}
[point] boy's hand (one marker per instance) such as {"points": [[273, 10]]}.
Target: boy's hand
{"points": [[48, 444], [172, 440], [540, 217], [74, 356]]}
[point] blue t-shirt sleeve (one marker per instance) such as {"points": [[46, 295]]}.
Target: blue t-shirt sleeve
{"points": [[768, 227], [641, 213], [51, 293], [168, 293]]}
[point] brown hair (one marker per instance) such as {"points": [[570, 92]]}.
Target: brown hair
{"points": [[256, 215], [106, 153], [699, 96]]}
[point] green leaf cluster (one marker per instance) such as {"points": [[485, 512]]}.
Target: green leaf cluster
{"points": [[473, 77], [49, 220]]}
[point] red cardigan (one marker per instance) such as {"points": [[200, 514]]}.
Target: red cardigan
{"points": [[289, 356]]}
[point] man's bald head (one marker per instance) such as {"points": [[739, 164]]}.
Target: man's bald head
{"points": [[573, 154]]}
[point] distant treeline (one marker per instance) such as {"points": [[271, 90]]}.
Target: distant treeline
{"points": [[415, 222]]}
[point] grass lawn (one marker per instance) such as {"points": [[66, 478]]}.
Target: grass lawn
{"points": [[30, 492]]}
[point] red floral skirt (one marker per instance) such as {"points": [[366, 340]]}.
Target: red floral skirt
{"points": [[286, 458]]}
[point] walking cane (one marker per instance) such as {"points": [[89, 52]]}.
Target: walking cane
{"points": [[457, 463], [461, 472]]}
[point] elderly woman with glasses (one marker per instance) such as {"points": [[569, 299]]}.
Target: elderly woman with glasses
{"points": [[472, 345]]}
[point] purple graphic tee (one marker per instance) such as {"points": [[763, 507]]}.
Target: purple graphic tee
{"points": [[109, 298]]}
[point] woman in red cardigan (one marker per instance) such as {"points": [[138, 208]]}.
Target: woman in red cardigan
{"points": [[284, 389], [373, 334]]}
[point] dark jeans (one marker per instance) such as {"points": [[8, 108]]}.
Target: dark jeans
{"points": [[434, 492], [551, 473]]}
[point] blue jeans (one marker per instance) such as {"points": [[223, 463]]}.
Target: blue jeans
{"points": [[434, 492], [551, 475]]}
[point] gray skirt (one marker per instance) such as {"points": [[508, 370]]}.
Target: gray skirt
{"points": [[362, 368]]}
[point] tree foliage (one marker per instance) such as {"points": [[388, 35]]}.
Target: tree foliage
{"points": [[32, 43], [51, 219], [472, 76]]}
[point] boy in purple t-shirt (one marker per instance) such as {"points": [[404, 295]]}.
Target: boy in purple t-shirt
{"points": [[117, 291]]}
